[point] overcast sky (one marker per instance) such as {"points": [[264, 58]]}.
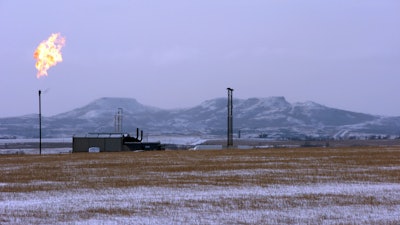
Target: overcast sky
{"points": [[173, 54]]}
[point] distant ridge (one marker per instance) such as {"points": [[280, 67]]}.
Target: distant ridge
{"points": [[271, 117]]}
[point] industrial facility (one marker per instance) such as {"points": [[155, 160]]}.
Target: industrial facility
{"points": [[119, 141], [112, 142]]}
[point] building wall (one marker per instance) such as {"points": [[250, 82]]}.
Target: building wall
{"points": [[82, 144]]}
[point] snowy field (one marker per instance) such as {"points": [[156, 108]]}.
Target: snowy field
{"points": [[274, 186], [279, 204]]}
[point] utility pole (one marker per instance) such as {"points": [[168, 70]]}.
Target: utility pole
{"points": [[230, 119], [40, 122]]}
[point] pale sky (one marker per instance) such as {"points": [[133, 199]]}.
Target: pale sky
{"points": [[173, 54]]}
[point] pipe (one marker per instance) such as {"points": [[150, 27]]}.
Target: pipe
{"points": [[40, 122]]}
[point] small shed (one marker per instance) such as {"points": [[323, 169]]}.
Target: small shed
{"points": [[104, 142]]}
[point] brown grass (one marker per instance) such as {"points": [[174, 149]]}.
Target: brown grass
{"points": [[262, 167], [25, 174]]}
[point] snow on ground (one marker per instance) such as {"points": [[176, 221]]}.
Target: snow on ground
{"points": [[176, 139], [35, 151], [33, 140], [329, 203], [164, 139]]}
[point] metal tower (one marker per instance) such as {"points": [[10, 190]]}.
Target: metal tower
{"points": [[230, 119], [118, 121]]}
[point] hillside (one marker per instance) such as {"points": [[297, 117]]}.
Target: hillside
{"points": [[271, 117]]}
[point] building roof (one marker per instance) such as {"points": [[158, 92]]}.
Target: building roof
{"points": [[102, 135]]}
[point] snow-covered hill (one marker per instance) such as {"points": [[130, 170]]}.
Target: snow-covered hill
{"points": [[269, 117]]}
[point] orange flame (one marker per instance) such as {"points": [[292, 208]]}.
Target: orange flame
{"points": [[48, 53]]}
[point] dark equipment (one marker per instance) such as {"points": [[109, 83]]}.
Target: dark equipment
{"points": [[135, 143]]}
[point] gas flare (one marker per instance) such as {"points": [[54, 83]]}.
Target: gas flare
{"points": [[48, 53]]}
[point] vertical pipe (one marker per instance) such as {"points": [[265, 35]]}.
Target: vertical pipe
{"points": [[120, 119], [115, 123], [40, 122], [230, 119], [228, 122], [231, 131]]}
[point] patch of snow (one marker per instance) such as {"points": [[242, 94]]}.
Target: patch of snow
{"points": [[309, 105], [33, 140], [176, 139], [91, 114], [35, 151], [280, 204]]}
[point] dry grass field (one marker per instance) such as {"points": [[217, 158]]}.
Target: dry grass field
{"points": [[354, 185]]}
